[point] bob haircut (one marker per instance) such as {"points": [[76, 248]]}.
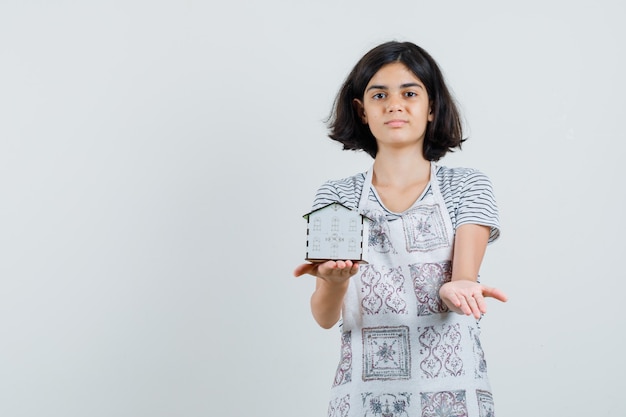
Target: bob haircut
{"points": [[444, 133]]}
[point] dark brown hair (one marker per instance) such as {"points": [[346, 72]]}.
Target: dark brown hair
{"points": [[443, 134]]}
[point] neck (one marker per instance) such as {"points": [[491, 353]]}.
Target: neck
{"points": [[400, 168]]}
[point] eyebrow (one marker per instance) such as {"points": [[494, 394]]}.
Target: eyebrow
{"points": [[384, 87]]}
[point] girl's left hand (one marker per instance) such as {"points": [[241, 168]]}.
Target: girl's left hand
{"points": [[468, 297]]}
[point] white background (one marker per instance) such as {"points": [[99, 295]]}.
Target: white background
{"points": [[156, 158]]}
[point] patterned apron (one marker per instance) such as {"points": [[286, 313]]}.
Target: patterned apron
{"points": [[402, 352]]}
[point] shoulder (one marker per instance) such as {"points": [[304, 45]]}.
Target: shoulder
{"points": [[463, 181], [460, 176], [470, 197], [345, 184], [346, 191]]}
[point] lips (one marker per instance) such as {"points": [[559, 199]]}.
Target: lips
{"points": [[396, 123]]}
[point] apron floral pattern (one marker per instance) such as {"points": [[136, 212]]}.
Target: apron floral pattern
{"points": [[402, 352]]}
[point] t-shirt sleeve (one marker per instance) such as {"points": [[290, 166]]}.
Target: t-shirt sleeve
{"points": [[326, 194], [345, 191], [477, 203]]}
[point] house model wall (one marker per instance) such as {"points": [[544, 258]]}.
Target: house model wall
{"points": [[334, 232]]}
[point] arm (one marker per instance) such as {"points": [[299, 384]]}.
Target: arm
{"points": [[463, 294], [330, 288]]}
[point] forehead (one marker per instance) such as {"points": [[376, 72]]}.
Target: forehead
{"points": [[393, 74]]}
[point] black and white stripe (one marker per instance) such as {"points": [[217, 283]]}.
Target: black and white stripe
{"points": [[467, 192]]}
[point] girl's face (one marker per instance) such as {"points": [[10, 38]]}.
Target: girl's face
{"points": [[395, 106]]}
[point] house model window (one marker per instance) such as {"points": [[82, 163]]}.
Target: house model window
{"points": [[335, 232]]}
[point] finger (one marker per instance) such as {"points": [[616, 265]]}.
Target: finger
{"points": [[344, 268], [453, 298], [327, 267], [347, 271], [464, 306], [304, 269], [472, 303], [348, 268], [494, 293], [478, 305], [481, 303]]}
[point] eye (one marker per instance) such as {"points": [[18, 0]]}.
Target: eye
{"points": [[379, 96], [410, 94]]}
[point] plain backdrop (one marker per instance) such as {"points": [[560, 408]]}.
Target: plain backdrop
{"points": [[156, 158]]}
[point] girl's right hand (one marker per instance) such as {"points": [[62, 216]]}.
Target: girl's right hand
{"points": [[333, 279], [335, 272]]}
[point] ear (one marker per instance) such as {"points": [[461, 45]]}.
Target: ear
{"points": [[431, 116], [360, 110]]}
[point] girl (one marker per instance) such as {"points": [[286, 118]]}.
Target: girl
{"points": [[409, 316]]}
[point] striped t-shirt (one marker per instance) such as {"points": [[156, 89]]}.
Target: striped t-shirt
{"points": [[467, 192]]}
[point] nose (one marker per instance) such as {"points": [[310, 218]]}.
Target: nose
{"points": [[394, 104]]}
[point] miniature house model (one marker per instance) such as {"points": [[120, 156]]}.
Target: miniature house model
{"points": [[334, 232]]}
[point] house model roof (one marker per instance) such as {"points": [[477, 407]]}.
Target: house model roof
{"points": [[306, 216]]}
